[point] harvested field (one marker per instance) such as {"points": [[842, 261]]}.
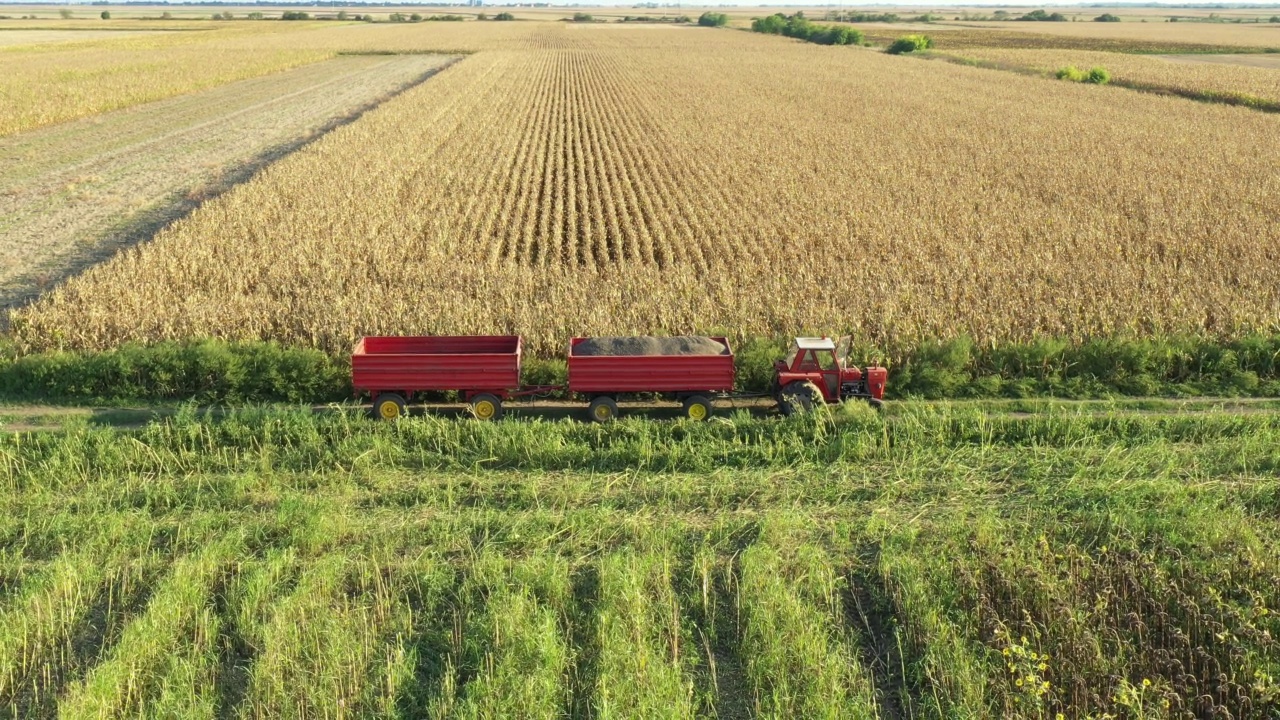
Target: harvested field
{"points": [[1268, 61], [1186, 74], [53, 83], [668, 181], [74, 193], [647, 345], [1144, 36], [11, 38]]}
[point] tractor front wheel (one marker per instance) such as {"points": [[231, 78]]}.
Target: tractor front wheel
{"points": [[388, 406], [799, 397]]}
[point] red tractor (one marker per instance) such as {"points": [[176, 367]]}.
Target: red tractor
{"points": [[814, 373]]}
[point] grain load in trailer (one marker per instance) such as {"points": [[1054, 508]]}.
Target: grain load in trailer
{"points": [[688, 369], [650, 345]]}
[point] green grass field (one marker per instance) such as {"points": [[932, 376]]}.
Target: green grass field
{"points": [[934, 561]]}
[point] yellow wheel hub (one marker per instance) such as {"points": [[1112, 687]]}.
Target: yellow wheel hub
{"points": [[698, 411], [603, 412], [388, 410], [485, 410]]}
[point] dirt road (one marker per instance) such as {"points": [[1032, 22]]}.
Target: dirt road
{"points": [[72, 194]]}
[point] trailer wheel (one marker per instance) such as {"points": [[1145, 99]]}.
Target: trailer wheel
{"points": [[697, 407], [799, 397], [486, 407], [603, 409], [388, 406]]}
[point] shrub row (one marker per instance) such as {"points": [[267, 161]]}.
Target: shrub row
{"points": [[213, 371], [206, 371], [797, 26]]}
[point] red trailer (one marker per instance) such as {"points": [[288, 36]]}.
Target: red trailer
{"points": [[484, 369], [691, 379]]}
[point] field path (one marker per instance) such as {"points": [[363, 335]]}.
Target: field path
{"points": [[72, 194]]}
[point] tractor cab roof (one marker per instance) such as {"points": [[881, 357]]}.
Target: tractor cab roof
{"points": [[811, 343]]}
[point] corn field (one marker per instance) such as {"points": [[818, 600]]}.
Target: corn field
{"points": [[662, 180]]}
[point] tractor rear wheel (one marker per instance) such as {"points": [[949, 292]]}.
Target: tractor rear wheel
{"points": [[697, 407], [799, 397], [603, 409], [388, 406], [486, 407]]}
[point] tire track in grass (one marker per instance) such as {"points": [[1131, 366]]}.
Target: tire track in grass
{"points": [[65, 617], [949, 680], [585, 671], [166, 660], [432, 590], [326, 645], [244, 605], [708, 595], [869, 612]]}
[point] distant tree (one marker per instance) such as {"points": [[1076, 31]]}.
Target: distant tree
{"points": [[1107, 17], [504, 16], [713, 19], [398, 17], [582, 17], [294, 15], [65, 13], [166, 15], [1275, 18], [415, 18], [1042, 16], [106, 15], [255, 16], [342, 14], [482, 16]]}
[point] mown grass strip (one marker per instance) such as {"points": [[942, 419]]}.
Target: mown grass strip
{"points": [[515, 657], [800, 660], [647, 658]]}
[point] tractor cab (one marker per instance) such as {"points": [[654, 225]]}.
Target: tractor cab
{"points": [[816, 369]]}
